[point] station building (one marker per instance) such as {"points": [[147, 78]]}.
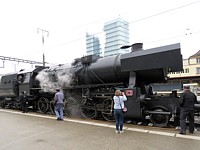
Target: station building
{"points": [[189, 76]]}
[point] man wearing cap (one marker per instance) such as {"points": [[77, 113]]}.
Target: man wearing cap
{"points": [[187, 101], [58, 99]]}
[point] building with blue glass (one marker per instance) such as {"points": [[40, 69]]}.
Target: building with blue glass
{"points": [[92, 45], [116, 35]]}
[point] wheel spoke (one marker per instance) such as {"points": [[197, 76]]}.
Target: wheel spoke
{"points": [[52, 107], [107, 111], [43, 105], [159, 120], [88, 111], [71, 107]]}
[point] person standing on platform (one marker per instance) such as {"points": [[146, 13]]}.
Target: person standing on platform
{"points": [[119, 99], [24, 101], [58, 105], [187, 101]]}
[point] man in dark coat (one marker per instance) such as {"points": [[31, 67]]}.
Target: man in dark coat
{"points": [[24, 100], [187, 101]]}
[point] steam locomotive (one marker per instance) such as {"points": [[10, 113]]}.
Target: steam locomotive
{"points": [[89, 84]]}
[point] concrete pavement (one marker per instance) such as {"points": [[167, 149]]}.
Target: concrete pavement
{"points": [[35, 131]]}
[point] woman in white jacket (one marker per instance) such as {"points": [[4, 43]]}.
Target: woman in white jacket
{"points": [[119, 99]]}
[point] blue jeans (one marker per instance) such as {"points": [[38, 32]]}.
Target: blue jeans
{"points": [[119, 118], [59, 110]]}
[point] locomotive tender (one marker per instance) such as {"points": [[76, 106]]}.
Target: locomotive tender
{"points": [[90, 82]]}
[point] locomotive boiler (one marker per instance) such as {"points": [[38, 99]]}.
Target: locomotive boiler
{"points": [[89, 84]]}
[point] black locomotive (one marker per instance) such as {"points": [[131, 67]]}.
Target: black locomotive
{"points": [[89, 84]]}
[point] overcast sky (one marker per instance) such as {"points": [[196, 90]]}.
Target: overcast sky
{"points": [[152, 22]]}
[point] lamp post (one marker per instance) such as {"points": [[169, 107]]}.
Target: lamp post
{"points": [[43, 32]]}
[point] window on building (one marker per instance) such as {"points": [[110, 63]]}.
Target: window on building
{"points": [[186, 70], [198, 70], [195, 81], [185, 81], [198, 60], [175, 81]]}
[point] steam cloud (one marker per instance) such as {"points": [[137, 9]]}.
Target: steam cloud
{"points": [[49, 81]]}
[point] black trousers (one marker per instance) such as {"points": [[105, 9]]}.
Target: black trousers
{"points": [[24, 107], [189, 114]]}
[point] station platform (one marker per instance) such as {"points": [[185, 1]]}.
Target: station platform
{"points": [[42, 131]]}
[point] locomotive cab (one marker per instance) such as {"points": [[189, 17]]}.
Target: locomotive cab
{"points": [[23, 79], [12, 85]]}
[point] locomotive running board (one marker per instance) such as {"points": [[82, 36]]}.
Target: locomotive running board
{"points": [[92, 85]]}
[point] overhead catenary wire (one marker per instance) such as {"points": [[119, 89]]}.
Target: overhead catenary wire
{"points": [[131, 22], [138, 20]]}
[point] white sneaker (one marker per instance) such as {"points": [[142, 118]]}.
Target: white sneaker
{"points": [[116, 131], [121, 131]]}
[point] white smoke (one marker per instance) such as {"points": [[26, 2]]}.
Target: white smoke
{"points": [[45, 82], [48, 82], [64, 79]]}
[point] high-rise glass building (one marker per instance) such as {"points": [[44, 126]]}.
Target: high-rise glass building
{"points": [[92, 45], [117, 35]]}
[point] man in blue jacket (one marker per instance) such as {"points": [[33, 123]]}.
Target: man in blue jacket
{"points": [[58, 99]]}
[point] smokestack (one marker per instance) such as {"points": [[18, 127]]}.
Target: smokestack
{"points": [[137, 47]]}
